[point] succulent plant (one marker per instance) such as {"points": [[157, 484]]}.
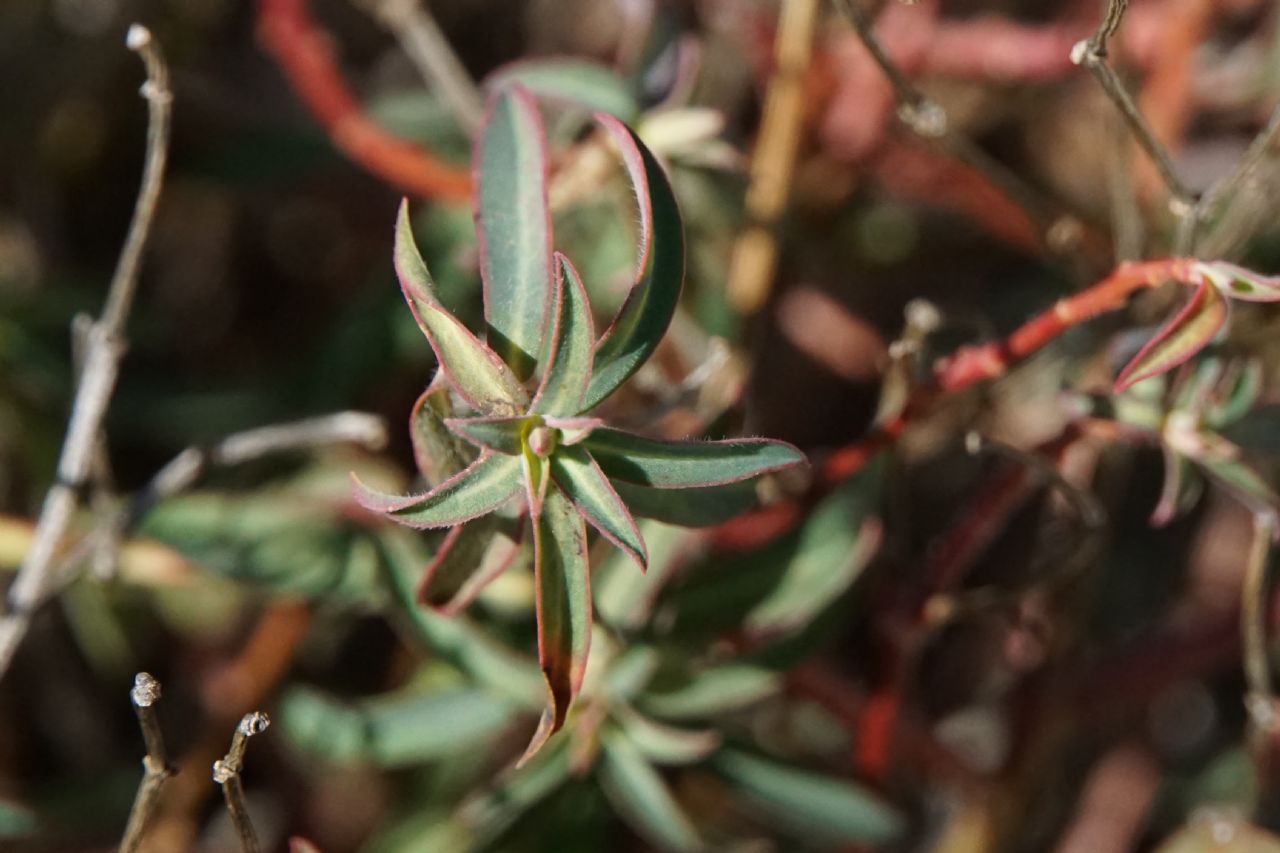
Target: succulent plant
{"points": [[531, 387]]}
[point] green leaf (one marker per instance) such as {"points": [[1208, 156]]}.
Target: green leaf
{"points": [[482, 487], [684, 464], [835, 545], [16, 821], [624, 597], [644, 317], [471, 368], [1240, 283], [1191, 330], [588, 84], [501, 435], [491, 812], [457, 640], [642, 798], [437, 452], [1225, 832], [514, 228], [563, 583], [693, 507], [663, 744], [567, 367], [813, 806], [1224, 464], [582, 481], [471, 557], [396, 730], [716, 691]]}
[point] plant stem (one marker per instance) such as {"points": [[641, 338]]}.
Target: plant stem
{"points": [[929, 121], [302, 50], [1260, 699], [425, 44], [226, 772], [104, 347], [755, 254], [145, 693]]}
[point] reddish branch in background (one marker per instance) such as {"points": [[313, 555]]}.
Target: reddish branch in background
{"points": [[305, 54]]}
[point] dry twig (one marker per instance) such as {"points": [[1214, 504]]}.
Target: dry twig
{"points": [[105, 346], [226, 772], [145, 694], [425, 44]]}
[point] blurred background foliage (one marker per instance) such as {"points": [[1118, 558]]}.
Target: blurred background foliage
{"points": [[945, 650]]}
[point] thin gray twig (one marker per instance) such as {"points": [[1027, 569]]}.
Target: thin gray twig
{"points": [[156, 768], [226, 772], [426, 45], [105, 345], [1260, 696], [928, 120]]}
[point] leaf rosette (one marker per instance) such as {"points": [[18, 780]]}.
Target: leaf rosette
{"points": [[531, 386]]}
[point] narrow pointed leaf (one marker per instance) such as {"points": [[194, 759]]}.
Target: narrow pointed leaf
{"points": [[642, 798], [715, 691], [693, 507], [501, 435], [568, 367], [485, 485], [588, 84], [471, 556], [458, 641], [1225, 465], [581, 479], [562, 583], [1190, 331], [818, 807], [647, 311], [835, 545], [470, 367], [514, 228], [395, 730], [1240, 283], [684, 464], [437, 452], [663, 744]]}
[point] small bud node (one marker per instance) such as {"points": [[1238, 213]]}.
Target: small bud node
{"points": [[138, 37], [146, 690]]}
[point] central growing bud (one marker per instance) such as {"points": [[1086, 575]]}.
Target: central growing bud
{"points": [[543, 440]]}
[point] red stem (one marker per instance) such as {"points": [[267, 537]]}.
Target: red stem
{"points": [[303, 52]]}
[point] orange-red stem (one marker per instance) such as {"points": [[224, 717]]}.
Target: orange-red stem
{"points": [[303, 52]]}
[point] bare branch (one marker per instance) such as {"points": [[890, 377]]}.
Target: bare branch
{"points": [[156, 769], [1260, 698], [426, 45], [226, 772], [105, 345], [929, 121], [1224, 191]]}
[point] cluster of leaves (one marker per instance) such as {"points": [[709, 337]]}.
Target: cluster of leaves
{"points": [[544, 447]]}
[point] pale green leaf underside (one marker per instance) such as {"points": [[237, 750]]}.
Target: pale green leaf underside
{"points": [[587, 84], [568, 369], [835, 545], [485, 485], [642, 798], [586, 485], [470, 367], [816, 806], [684, 464], [514, 227]]}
